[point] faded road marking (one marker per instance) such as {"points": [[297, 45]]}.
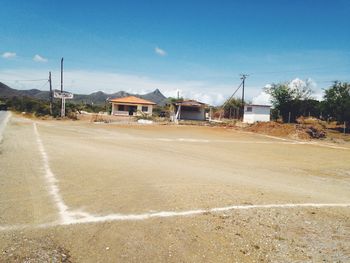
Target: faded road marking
{"points": [[4, 122], [52, 181], [86, 218]]}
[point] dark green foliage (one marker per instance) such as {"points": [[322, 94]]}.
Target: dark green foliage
{"points": [[336, 102], [42, 107], [26, 104], [3, 105], [88, 107], [297, 108], [292, 102], [157, 110]]}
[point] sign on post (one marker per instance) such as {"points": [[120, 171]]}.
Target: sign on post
{"points": [[63, 95]]}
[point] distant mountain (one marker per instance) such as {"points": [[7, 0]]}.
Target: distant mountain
{"points": [[6, 91], [98, 97], [155, 96]]}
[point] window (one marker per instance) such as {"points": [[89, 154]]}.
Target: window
{"points": [[121, 107], [144, 108], [249, 109]]}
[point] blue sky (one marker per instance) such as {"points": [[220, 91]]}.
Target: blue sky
{"points": [[198, 47]]}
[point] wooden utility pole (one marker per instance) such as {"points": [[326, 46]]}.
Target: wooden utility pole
{"points": [[63, 104], [243, 77], [51, 95], [61, 74]]}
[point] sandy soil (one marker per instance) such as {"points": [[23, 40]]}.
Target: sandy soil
{"points": [[104, 169]]}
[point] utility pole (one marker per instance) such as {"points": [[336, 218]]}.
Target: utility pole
{"points": [[243, 77], [61, 74], [63, 103], [51, 95]]}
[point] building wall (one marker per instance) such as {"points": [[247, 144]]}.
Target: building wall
{"points": [[193, 115], [149, 112], [258, 113]]}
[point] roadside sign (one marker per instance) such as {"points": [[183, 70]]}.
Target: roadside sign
{"points": [[62, 94]]}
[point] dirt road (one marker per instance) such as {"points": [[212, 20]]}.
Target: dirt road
{"points": [[84, 192]]}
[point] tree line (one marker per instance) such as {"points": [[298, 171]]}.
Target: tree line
{"points": [[292, 101], [289, 102], [42, 107]]}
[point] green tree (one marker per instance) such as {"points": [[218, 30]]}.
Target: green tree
{"points": [[336, 102], [292, 98]]}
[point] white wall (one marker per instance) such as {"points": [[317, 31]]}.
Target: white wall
{"points": [[258, 113], [149, 112]]}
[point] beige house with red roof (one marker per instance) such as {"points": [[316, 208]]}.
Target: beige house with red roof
{"points": [[131, 106]]}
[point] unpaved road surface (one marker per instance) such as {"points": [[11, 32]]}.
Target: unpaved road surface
{"points": [[84, 192]]}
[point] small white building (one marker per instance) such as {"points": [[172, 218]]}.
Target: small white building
{"points": [[190, 110], [131, 106], [254, 113]]}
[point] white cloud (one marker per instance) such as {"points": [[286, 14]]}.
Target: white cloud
{"points": [[262, 99], [38, 58], [302, 88], [160, 52], [9, 55], [318, 96], [211, 98], [86, 82]]}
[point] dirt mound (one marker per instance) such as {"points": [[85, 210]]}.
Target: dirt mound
{"points": [[312, 126], [272, 128], [296, 131]]}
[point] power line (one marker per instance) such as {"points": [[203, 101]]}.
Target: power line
{"points": [[243, 77], [18, 80], [47, 81], [233, 94]]}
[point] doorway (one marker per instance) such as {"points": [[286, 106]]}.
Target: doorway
{"points": [[132, 109]]}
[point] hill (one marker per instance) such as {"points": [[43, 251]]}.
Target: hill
{"points": [[98, 97]]}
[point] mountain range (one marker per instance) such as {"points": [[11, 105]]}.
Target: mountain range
{"points": [[98, 97]]}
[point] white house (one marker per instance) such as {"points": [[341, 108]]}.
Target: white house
{"points": [[254, 113], [131, 106]]}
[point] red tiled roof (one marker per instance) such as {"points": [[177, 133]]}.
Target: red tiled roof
{"points": [[132, 100]]}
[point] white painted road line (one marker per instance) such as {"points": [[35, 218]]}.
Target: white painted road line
{"points": [[52, 181], [88, 218], [138, 217], [4, 119]]}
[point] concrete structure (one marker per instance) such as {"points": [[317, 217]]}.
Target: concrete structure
{"points": [[254, 113], [131, 106], [190, 110]]}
